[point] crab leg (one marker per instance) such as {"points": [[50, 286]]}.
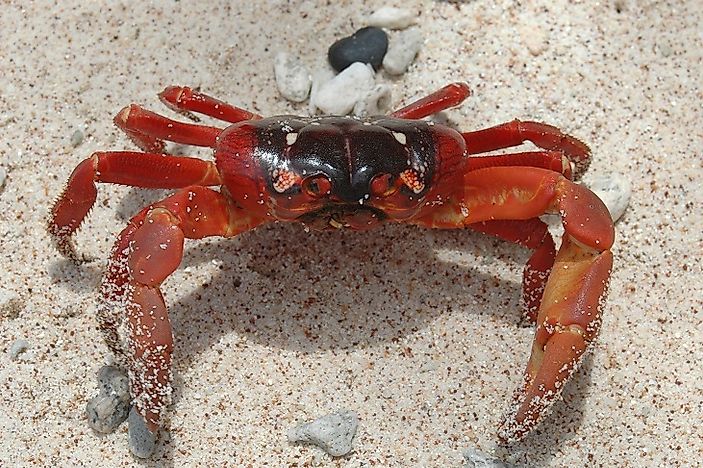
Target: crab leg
{"points": [[517, 132], [533, 234], [132, 312], [449, 96], [120, 167], [552, 160], [184, 100], [570, 311], [148, 130]]}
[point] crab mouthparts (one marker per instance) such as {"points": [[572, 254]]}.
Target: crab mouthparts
{"points": [[358, 218]]}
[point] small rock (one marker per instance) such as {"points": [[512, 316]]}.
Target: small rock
{"points": [[615, 191], [292, 78], [339, 95], [392, 18], [319, 78], [113, 381], [17, 348], [106, 412], [10, 304], [367, 45], [333, 433], [110, 408], [402, 51], [375, 102], [476, 459], [665, 49], [3, 177], [535, 39], [76, 138], [142, 442], [620, 5]]}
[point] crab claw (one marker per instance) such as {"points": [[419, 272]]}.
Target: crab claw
{"points": [[568, 322], [569, 313]]}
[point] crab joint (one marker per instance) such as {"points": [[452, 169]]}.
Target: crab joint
{"points": [[157, 248]]}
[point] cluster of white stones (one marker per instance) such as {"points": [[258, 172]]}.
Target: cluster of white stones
{"points": [[354, 89]]}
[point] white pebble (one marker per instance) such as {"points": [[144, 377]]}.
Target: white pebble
{"points": [[3, 177], [333, 433], [392, 18], [375, 102], [615, 191], [110, 408], [292, 78], [402, 50], [77, 138], [319, 78], [17, 348], [339, 95], [10, 303], [474, 458]]}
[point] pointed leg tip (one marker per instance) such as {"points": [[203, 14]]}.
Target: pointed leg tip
{"points": [[122, 116], [509, 434], [522, 417]]}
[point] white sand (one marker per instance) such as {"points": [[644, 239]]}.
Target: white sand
{"points": [[416, 331]]}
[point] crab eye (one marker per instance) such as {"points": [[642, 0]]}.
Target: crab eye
{"points": [[413, 180], [317, 186], [383, 185]]}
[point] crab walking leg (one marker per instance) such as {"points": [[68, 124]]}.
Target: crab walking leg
{"points": [[148, 130], [533, 234], [133, 313], [449, 96], [184, 100], [517, 132], [570, 313], [146, 170], [553, 160]]}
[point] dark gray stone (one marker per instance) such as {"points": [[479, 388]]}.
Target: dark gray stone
{"points": [[110, 408], [367, 45], [106, 413], [142, 442]]}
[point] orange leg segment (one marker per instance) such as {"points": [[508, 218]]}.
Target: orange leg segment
{"points": [[449, 96], [132, 312], [553, 160], [542, 135], [185, 100], [568, 322], [533, 234], [570, 312], [146, 170], [148, 130]]}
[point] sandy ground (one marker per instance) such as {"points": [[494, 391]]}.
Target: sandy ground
{"points": [[416, 331]]}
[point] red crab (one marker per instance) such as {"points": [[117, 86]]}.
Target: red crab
{"points": [[344, 172]]}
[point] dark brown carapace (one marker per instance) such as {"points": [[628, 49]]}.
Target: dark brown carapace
{"points": [[341, 172], [334, 172]]}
